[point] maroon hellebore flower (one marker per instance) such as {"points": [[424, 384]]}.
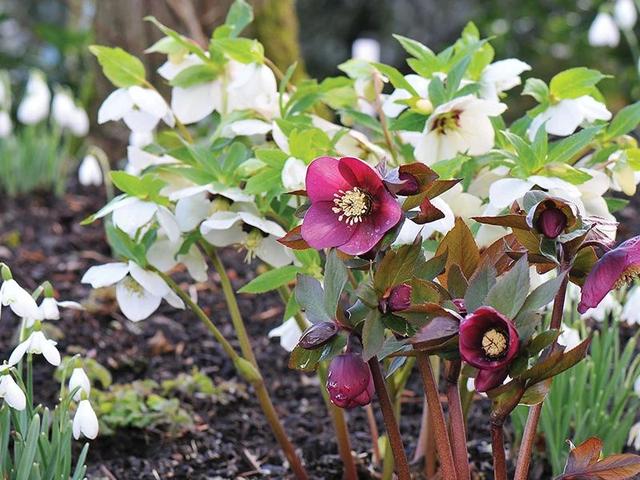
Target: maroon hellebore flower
{"points": [[614, 269], [396, 299], [552, 222], [349, 381], [351, 209], [488, 341]]}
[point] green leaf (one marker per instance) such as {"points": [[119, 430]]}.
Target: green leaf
{"points": [[542, 295], [240, 15], [417, 49], [124, 246], [195, 75], [575, 82], [243, 50], [271, 280], [372, 335], [310, 296], [437, 93], [121, 68], [479, 286], [397, 266], [396, 78], [335, 278], [455, 75], [563, 150], [510, 291], [184, 42], [24, 471], [565, 172], [625, 121], [537, 89]]}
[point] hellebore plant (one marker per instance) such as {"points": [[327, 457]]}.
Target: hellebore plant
{"points": [[413, 231]]}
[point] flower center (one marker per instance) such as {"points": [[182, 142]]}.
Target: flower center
{"points": [[631, 273], [446, 122], [494, 343], [351, 205]]}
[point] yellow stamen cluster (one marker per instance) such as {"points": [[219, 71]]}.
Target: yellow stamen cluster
{"points": [[446, 122], [630, 274], [351, 205], [494, 343]]}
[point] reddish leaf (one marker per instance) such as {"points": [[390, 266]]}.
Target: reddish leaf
{"points": [[513, 221], [428, 213], [461, 250], [435, 333], [585, 454], [423, 174], [293, 239], [583, 464]]}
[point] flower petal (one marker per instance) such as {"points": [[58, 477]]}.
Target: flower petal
{"points": [[322, 229], [135, 302], [105, 275]]}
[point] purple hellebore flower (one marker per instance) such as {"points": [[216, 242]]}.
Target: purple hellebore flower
{"points": [[351, 209], [488, 341], [349, 381], [552, 222], [614, 269], [396, 298]]}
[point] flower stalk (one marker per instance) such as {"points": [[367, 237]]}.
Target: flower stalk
{"points": [[457, 428]]}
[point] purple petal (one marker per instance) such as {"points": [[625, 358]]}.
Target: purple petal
{"points": [[488, 379], [322, 229], [360, 174], [603, 277], [324, 179]]}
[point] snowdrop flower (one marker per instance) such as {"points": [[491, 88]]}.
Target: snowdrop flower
{"points": [[293, 174], [459, 126], [80, 380], [19, 300], [631, 309], [163, 255], [10, 391], [139, 292], [501, 76], [50, 311], [141, 109], [35, 105], [67, 114], [225, 228], [367, 49], [85, 421], [90, 172], [289, 333], [625, 14], [39, 344], [634, 436], [569, 337], [567, 115], [391, 106], [6, 126], [604, 31]]}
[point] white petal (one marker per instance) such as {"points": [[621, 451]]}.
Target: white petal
{"points": [[391, 107], [174, 300], [289, 333], [267, 226], [220, 221], [49, 309], [504, 192], [625, 14], [428, 147], [136, 215], [135, 301], [293, 174], [224, 237], [85, 421], [19, 352], [170, 69], [13, 394], [50, 352], [196, 264], [79, 379], [149, 101], [162, 254], [273, 253], [105, 275], [90, 172], [250, 127], [115, 106], [169, 224], [150, 281], [140, 121], [191, 211], [604, 31], [192, 104]]}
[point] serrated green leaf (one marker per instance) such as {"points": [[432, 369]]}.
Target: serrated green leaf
{"points": [[574, 83], [121, 68], [510, 291]]}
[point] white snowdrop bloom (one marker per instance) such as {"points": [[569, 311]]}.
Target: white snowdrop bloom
{"points": [[289, 333], [19, 300], [90, 172], [391, 106], [140, 139], [367, 49], [67, 114], [459, 126], [139, 292], [163, 255], [40, 345], [35, 105], [567, 115], [6, 125], [139, 160], [225, 228], [11, 391], [569, 337], [410, 230], [501, 76], [625, 14], [141, 109], [85, 421], [293, 174], [631, 309], [49, 307], [80, 380], [604, 31]]}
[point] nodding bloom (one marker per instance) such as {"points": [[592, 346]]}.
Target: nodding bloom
{"points": [[10, 391], [349, 381], [552, 222], [85, 421], [488, 341], [614, 269], [351, 209]]}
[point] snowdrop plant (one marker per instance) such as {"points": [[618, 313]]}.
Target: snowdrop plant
{"points": [[36, 441], [408, 221]]}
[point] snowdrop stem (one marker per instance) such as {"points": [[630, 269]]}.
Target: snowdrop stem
{"points": [[29, 381], [377, 80]]}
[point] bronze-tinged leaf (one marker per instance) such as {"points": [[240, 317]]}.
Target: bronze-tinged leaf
{"points": [[497, 256], [425, 291], [397, 266], [428, 213], [435, 333], [510, 220], [566, 361], [529, 240], [304, 360], [293, 239], [456, 282], [536, 393], [423, 174], [582, 265], [461, 250], [616, 467], [584, 455], [436, 188]]}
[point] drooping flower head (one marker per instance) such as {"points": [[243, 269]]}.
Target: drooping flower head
{"points": [[488, 341], [614, 269], [349, 381], [351, 209]]}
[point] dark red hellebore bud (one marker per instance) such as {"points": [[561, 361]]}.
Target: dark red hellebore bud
{"points": [[552, 222], [349, 381], [396, 299]]}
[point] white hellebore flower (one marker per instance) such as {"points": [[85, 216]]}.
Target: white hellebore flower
{"points": [[459, 126], [625, 14], [39, 344], [224, 228], [289, 333], [6, 126], [19, 300], [35, 105], [604, 31], [85, 421], [138, 291], [293, 174], [67, 114], [631, 309], [501, 76], [410, 230], [163, 255], [567, 115], [139, 160], [80, 380], [90, 172], [140, 108], [11, 391], [391, 106]]}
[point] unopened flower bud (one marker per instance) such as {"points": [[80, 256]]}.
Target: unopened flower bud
{"points": [[410, 185], [552, 222], [424, 106], [317, 335], [396, 299], [349, 381]]}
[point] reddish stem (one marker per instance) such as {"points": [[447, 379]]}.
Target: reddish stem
{"points": [[499, 458], [456, 422]]}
